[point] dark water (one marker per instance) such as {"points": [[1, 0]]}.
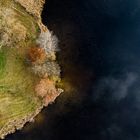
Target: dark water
{"points": [[99, 57]]}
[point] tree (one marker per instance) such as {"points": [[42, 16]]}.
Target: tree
{"points": [[36, 55]]}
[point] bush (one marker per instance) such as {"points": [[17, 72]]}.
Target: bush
{"points": [[48, 41], [51, 68], [37, 55]]}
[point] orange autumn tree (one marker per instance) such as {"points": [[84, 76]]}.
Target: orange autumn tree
{"points": [[36, 55], [47, 90]]}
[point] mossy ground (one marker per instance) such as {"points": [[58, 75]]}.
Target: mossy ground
{"points": [[17, 97], [13, 15]]}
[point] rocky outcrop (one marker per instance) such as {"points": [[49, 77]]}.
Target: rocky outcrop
{"points": [[34, 7]]}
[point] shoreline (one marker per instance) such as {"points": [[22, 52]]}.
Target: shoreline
{"points": [[17, 124]]}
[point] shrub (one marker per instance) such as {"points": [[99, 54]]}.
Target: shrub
{"points": [[48, 41], [51, 68], [47, 90], [36, 55]]}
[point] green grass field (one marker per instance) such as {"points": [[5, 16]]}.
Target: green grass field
{"points": [[2, 63], [17, 97]]}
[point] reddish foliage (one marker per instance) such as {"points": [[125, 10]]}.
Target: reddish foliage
{"points": [[36, 55], [45, 86], [46, 89]]}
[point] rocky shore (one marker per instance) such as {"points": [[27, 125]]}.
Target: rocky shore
{"points": [[29, 49]]}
